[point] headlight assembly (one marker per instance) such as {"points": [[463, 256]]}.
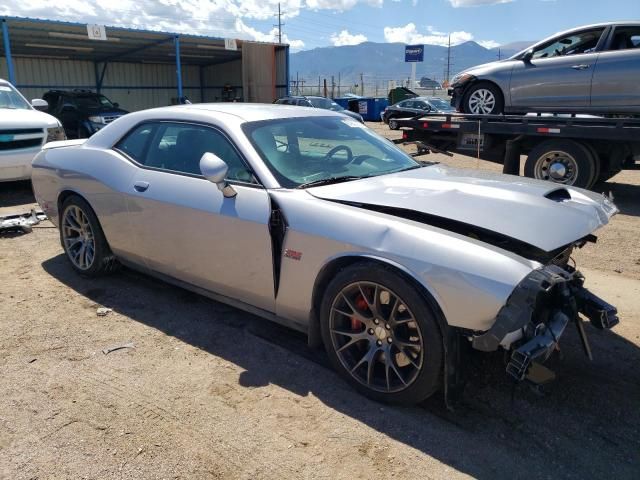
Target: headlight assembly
{"points": [[461, 79], [97, 119], [55, 133]]}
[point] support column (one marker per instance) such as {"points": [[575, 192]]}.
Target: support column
{"points": [[287, 68], [178, 68], [7, 52], [202, 84], [97, 75]]}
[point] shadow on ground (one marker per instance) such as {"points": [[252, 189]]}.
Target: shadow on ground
{"points": [[585, 426], [16, 193], [625, 195]]}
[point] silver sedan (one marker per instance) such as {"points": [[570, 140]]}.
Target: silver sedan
{"points": [[308, 218]]}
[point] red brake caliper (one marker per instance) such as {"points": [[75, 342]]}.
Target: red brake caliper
{"points": [[361, 304]]}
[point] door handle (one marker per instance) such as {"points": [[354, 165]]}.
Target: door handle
{"points": [[580, 67], [141, 186]]}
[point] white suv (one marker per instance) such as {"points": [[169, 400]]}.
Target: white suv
{"points": [[23, 131]]}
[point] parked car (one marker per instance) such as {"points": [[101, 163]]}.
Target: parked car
{"points": [[412, 107], [318, 102], [23, 131], [82, 112], [304, 217], [591, 69]]}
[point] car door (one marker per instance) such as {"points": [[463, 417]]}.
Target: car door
{"points": [[615, 80], [185, 228], [559, 73]]}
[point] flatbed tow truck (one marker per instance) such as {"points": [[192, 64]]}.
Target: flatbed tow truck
{"points": [[578, 150]]}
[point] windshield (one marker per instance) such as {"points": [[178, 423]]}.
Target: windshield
{"points": [[10, 98], [93, 101], [325, 103], [303, 150], [439, 104]]}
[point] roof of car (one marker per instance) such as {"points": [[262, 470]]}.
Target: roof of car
{"points": [[303, 96], [251, 112], [73, 92]]}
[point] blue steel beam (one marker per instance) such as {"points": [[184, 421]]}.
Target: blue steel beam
{"points": [[99, 77], [7, 52], [178, 68]]}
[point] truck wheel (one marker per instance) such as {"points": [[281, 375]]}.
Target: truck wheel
{"points": [[562, 161], [483, 99]]}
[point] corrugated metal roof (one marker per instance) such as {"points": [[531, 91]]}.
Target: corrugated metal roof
{"points": [[38, 38]]}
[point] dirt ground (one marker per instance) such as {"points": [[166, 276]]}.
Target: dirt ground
{"points": [[208, 391]]}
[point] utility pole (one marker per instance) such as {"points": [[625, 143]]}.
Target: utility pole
{"points": [[280, 24], [362, 85], [448, 61], [499, 54]]}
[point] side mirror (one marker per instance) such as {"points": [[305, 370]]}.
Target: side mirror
{"points": [[69, 107], [39, 104], [427, 108], [215, 170], [528, 55], [116, 105]]}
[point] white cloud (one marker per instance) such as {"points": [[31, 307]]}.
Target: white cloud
{"points": [[346, 38], [476, 3], [340, 5], [409, 34], [432, 30], [203, 17], [489, 44], [249, 32]]}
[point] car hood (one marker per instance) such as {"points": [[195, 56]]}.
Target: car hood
{"points": [[488, 68], [20, 118], [539, 213]]}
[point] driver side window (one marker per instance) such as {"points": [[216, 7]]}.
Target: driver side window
{"points": [[573, 44], [178, 147]]}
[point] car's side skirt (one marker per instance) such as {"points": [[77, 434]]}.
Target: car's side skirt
{"points": [[218, 297]]}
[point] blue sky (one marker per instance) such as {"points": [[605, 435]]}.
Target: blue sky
{"points": [[319, 23], [492, 21]]}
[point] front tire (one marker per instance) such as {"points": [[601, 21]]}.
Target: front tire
{"points": [[381, 335], [393, 124], [483, 99], [83, 240]]}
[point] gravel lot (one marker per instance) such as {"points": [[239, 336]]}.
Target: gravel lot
{"points": [[211, 392]]}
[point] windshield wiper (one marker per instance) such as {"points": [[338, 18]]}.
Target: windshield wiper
{"points": [[329, 181]]}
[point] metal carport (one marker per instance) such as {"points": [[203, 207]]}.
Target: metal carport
{"points": [[139, 68]]}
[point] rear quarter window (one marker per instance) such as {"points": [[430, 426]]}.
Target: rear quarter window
{"points": [[135, 143]]}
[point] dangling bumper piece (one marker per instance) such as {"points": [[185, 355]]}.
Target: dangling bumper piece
{"points": [[537, 314]]}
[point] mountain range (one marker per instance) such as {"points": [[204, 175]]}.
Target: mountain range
{"points": [[381, 62]]}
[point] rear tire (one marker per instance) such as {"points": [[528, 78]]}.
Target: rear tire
{"points": [[562, 161], [83, 240], [387, 344]]}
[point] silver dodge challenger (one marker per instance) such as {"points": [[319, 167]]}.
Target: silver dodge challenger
{"points": [[308, 218]]}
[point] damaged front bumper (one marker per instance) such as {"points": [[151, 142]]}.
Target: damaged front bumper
{"points": [[537, 313], [21, 222]]}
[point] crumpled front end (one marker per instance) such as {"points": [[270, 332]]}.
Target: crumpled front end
{"points": [[537, 313]]}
